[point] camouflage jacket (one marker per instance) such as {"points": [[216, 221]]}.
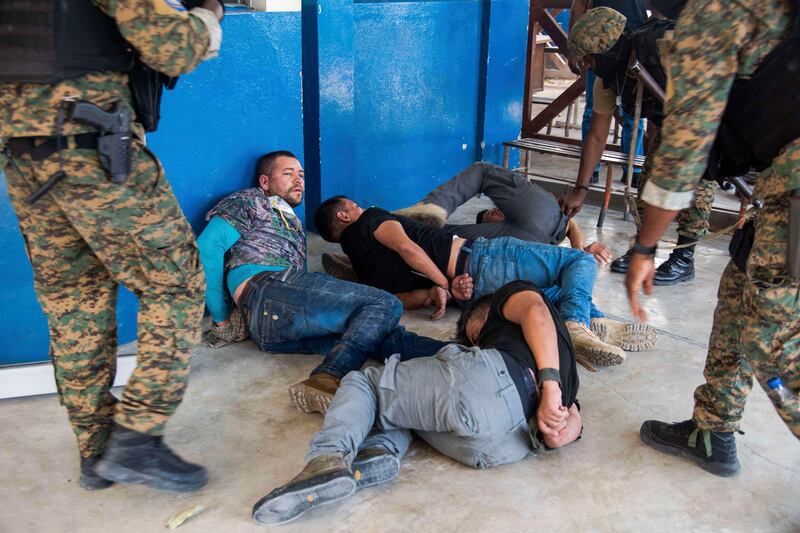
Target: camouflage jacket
{"points": [[714, 42], [271, 234], [168, 40]]}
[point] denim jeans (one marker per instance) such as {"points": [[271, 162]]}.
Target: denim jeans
{"points": [[627, 123], [462, 402], [311, 312], [565, 275], [532, 213]]}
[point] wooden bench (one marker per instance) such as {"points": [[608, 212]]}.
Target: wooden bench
{"points": [[609, 158]]}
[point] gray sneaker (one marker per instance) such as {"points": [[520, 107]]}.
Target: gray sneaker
{"points": [[325, 479]]}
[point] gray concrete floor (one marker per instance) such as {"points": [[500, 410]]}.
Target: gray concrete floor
{"points": [[236, 420]]}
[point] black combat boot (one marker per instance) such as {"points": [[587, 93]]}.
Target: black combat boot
{"points": [[133, 457], [713, 451], [621, 263], [680, 265], [91, 480]]}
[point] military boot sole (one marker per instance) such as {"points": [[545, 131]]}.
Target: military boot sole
{"points": [[634, 337], [602, 357], [308, 399], [286, 503], [650, 438], [375, 470], [161, 481], [667, 282]]}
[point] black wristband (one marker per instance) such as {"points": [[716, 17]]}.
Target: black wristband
{"points": [[549, 374], [643, 250], [584, 187]]}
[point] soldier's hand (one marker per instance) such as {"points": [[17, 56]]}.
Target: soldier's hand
{"points": [[640, 275], [600, 252], [572, 202]]}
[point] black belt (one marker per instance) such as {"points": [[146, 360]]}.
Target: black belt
{"points": [[463, 256], [40, 148]]}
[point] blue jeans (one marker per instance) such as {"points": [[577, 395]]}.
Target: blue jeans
{"points": [[310, 312], [462, 402], [565, 275], [627, 123]]}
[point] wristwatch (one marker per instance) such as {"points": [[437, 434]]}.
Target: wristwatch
{"points": [[549, 374], [644, 250]]}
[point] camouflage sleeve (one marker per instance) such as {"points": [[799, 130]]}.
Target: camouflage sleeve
{"points": [[169, 39], [701, 60]]}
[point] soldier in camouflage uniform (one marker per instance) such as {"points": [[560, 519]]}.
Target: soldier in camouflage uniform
{"points": [[89, 235], [756, 328], [595, 33]]}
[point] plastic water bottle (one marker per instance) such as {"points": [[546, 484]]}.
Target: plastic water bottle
{"points": [[779, 393]]}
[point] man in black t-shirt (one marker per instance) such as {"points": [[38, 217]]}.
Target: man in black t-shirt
{"points": [[471, 404], [422, 265]]}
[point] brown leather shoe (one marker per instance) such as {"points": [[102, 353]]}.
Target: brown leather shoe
{"points": [[314, 394]]}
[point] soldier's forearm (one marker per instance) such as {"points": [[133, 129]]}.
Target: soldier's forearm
{"points": [[656, 221]]}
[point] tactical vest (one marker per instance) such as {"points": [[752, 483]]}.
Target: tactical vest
{"points": [[612, 67], [46, 41]]}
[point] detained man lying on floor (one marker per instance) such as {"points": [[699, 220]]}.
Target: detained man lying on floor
{"points": [[484, 406], [423, 265], [523, 210], [254, 248]]}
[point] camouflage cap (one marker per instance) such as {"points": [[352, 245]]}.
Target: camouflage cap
{"points": [[595, 32]]}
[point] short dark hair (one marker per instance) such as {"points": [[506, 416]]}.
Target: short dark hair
{"points": [[325, 216], [473, 307], [266, 163], [479, 218]]}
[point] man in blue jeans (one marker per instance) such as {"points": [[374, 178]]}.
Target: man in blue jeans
{"points": [[254, 250], [424, 266], [481, 406]]}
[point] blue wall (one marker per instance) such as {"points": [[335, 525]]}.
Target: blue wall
{"points": [[381, 100], [409, 93], [213, 126]]}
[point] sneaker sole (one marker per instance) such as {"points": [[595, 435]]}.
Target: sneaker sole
{"points": [[288, 506], [650, 439], [309, 400], [634, 337], [121, 474], [659, 283], [375, 471]]}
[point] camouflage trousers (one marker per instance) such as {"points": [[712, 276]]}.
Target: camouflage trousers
{"points": [[756, 327], [692, 221], [86, 237]]}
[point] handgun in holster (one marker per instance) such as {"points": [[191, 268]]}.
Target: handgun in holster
{"points": [[114, 141], [793, 260]]}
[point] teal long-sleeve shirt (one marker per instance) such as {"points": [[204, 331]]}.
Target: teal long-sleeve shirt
{"points": [[217, 238]]}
